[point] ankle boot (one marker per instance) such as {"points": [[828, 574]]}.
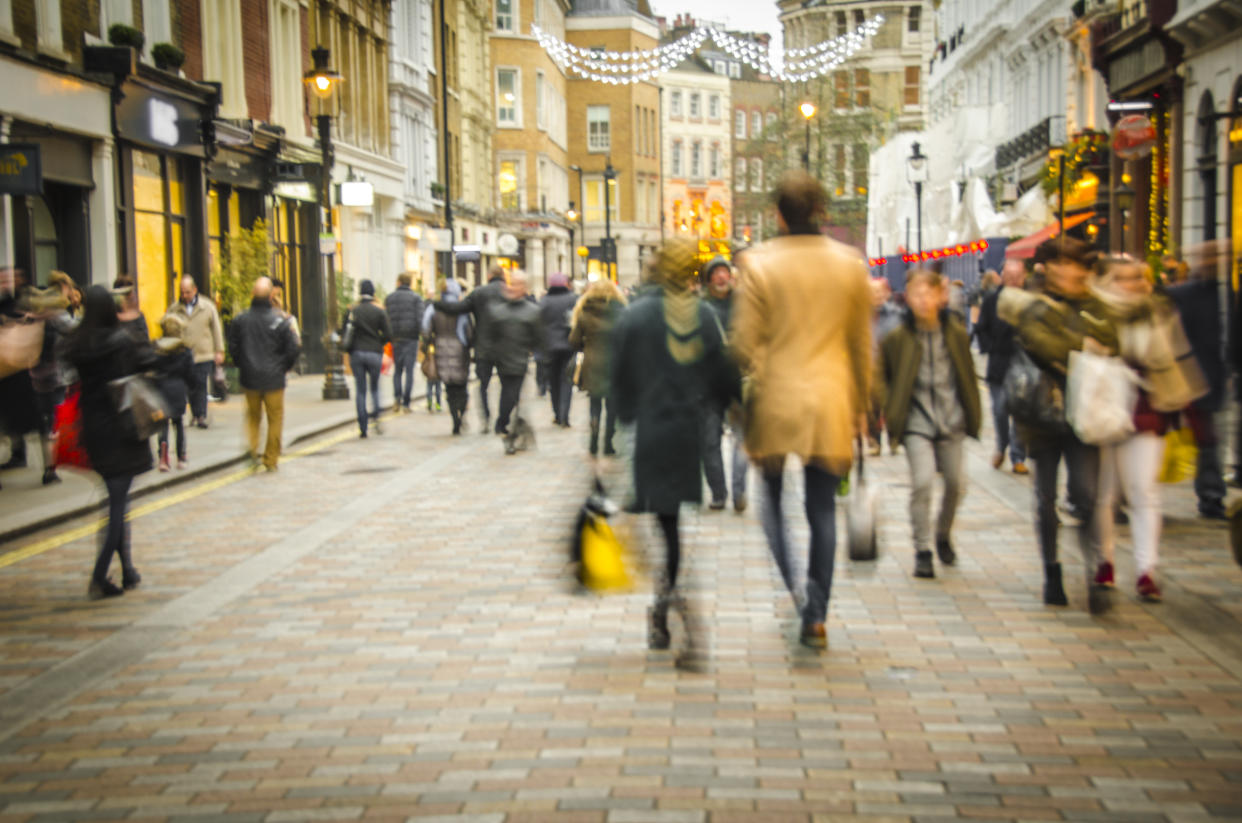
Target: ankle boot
{"points": [[594, 447], [1054, 591], [658, 637]]}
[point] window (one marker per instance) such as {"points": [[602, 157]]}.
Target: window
{"points": [[756, 124], [770, 125], [541, 113], [599, 138], [912, 18], [739, 124], [912, 92], [288, 93], [594, 210], [696, 159], [713, 107], [676, 161], [756, 174], [842, 25], [841, 90], [860, 18], [222, 55], [507, 97], [695, 104], [504, 15], [156, 22], [862, 159], [674, 105], [719, 66], [862, 88], [838, 153], [739, 174], [735, 70], [713, 169], [111, 12], [509, 184]]}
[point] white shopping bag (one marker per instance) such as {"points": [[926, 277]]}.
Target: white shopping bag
{"points": [[1100, 395]]}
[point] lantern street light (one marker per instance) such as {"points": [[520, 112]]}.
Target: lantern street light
{"points": [[808, 111], [916, 173], [610, 179], [571, 215]]}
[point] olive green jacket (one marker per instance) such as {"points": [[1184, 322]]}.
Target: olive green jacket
{"points": [[898, 365]]}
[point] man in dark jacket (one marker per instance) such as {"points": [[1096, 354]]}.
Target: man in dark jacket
{"points": [[1198, 303], [264, 348], [405, 314], [997, 340], [516, 334], [479, 303], [717, 280], [555, 311], [371, 330]]}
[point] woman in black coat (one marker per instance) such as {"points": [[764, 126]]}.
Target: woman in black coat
{"points": [[102, 351]]}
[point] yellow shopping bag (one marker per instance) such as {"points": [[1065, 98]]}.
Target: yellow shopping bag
{"points": [[603, 556], [1181, 456]]}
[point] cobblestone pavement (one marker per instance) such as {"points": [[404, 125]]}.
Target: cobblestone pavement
{"points": [[382, 630]]}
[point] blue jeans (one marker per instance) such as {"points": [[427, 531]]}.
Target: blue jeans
{"points": [[1082, 467], [821, 489], [366, 366], [433, 389], [404, 359], [713, 461], [116, 536], [1006, 431]]}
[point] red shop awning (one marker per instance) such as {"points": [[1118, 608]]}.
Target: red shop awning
{"points": [[1026, 246]]}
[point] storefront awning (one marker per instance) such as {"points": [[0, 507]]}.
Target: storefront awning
{"points": [[1026, 246]]}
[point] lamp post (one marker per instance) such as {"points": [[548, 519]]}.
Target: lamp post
{"points": [[322, 82], [808, 111], [916, 173], [582, 214], [1124, 196], [571, 216], [610, 177]]}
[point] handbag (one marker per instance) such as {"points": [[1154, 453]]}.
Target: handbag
{"points": [[67, 426], [347, 337], [1100, 394], [21, 344], [429, 363], [140, 406], [219, 383], [1034, 397], [600, 555], [860, 508], [1181, 456]]}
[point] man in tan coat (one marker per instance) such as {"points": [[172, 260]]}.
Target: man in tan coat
{"points": [[204, 338], [802, 334]]}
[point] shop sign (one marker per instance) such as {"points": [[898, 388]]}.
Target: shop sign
{"points": [[507, 244], [1134, 136], [439, 239], [357, 193], [327, 243], [21, 169], [467, 254], [1133, 67], [158, 121]]}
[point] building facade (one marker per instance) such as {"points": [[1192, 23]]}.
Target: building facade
{"points": [[757, 138], [696, 136]]}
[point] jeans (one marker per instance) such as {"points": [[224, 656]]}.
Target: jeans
{"points": [[672, 545], [433, 390], [1006, 431], [366, 366], [1082, 464], [1133, 465], [404, 359], [610, 426], [925, 456], [713, 461], [198, 389], [178, 423], [560, 386], [1209, 478], [510, 393], [483, 369], [273, 403], [821, 489], [116, 536]]}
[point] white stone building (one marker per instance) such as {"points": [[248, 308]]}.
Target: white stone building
{"points": [[696, 134]]}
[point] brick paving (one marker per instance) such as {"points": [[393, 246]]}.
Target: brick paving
{"points": [[382, 630]]}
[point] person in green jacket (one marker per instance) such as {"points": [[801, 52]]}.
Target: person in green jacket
{"points": [[931, 404]]}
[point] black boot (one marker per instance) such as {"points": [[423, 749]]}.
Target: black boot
{"points": [[1054, 591], [658, 637], [923, 565], [594, 447]]}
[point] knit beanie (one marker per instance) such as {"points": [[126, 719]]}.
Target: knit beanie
{"points": [[366, 287]]}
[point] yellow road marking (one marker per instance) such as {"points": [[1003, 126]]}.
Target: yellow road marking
{"points": [[88, 529]]}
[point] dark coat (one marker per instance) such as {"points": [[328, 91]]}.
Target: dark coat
{"points": [[665, 399], [405, 313], [17, 397], [452, 356], [997, 339], [1198, 303], [901, 352], [110, 354], [592, 335], [723, 307], [371, 327], [555, 310], [517, 333], [263, 346], [174, 372], [479, 303]]}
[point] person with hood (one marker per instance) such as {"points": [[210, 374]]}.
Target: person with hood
{"points": [[717, 281], [555, 311], [480, 303], [371, 330], [174, 375], [103, 350], [594, 319], [669, 362], [516, 334], [406, 315], [450, 339], [931, 403]]}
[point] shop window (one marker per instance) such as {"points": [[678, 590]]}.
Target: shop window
{"points": [[508, 184], [159, 231]]}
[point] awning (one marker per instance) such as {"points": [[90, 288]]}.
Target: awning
{"points": [[1026, 246]]}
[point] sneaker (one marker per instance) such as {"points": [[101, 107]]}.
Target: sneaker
{"points": [[131, 581], [997, 459], [717, 505], [1020, 468], [99, 589], [739, 504], [923, 565], [362, 435], [1148, 591], [1104, 575], [510, 449], [944, 550], [439, 407], [182, 463], [814, 636]]}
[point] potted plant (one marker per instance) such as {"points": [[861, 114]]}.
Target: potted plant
{"points": [[167, 57], [120, 34], [437, 190]]}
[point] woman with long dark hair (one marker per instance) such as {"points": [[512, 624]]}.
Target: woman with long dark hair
{"points": [[103, 351]]}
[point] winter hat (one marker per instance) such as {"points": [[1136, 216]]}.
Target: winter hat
{"points": [[713, 264], [366, 287], [558, 280]]}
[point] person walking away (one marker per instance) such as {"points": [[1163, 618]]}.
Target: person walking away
{"points": [[556, 311], [18, 406], [927, 377], [405, 315], [802, 336], [997, 339], [205, 340], [264, 348], [174, 372], [516, 334], [366, 352], [717, 277], [1064, 317], [594, 320], [450, 339], [479, 303], [1198, 303], [886, 316], [133, 321], [102, 350], [52, 375], [669, 362]]}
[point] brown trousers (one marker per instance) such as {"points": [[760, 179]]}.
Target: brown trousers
{"points": [[274, 404]]}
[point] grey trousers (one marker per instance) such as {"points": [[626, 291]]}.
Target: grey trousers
{"points": [[926, 457]]}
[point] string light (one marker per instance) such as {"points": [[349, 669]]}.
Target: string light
{"points": [[624, 68]]}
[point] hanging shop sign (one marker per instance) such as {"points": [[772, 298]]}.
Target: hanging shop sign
{"points": [[21, 169], [159, 121], [1134, 136], [507, 244]]}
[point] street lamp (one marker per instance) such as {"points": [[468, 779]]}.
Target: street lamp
{"points": [[808, 111], [610, 178], [322, 81], [571, 216], [581, 199], [1124, 197], [916, 173]]}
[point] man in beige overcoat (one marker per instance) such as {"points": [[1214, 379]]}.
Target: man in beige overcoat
{"points": [[802, 335]]}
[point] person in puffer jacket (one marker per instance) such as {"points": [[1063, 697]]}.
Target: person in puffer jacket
{"points": [[555, 310], [594, 318], [405, 315], [451, 339]]}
